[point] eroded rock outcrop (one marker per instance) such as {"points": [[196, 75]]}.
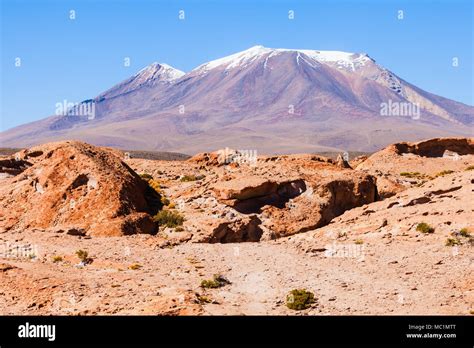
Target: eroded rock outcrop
{"points": [[273, 197], [436, 147], [408, 164], [325, 198], [250, 194], [74, 186], [424, 156]]}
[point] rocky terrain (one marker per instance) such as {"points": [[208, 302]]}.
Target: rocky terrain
{"points": [[89, 230]]}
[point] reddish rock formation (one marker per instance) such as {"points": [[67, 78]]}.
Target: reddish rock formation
{"points": [[424, 156], [403, 165], [325, 198], [436, 147], [275, 197], [74, 186]]}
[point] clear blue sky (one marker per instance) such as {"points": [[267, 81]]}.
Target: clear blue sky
{"points": [[78, 59]]}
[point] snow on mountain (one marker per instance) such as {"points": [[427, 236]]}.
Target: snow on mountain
{"points": [[342, 60], [237, 59], [155, 73], [262, 98], [345, 60], [158, 70]]}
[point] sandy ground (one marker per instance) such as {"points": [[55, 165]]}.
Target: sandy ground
{"points": [[405, 274]]}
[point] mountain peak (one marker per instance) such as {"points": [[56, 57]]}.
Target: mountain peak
{"points": [[155, 73], [347, 60], [158, 70], [319, 99], [237, 59]]}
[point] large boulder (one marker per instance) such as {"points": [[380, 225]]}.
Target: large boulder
{"points": [[73, 186], [326, 197], [244, 188], [248, 194], [293, 194]]}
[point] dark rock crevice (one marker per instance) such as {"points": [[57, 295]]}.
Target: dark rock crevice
{"points": [[279, 195]]}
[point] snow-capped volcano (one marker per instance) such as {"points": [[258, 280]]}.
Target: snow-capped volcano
{"points": [[272, 100], [343, 60]]}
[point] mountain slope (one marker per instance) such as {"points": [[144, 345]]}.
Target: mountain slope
{"points": [[152, 75], [271, 100]]}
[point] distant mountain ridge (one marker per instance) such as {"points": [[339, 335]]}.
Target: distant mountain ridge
{"points": [[271, 100]]}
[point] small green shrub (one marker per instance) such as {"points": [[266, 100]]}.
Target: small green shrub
{"points": [[84, 256], [185, 178], [201, 299], [168, 218], [135, 266], [179, 229], [155, 185], [469, 168], [299, 299], [217, 282], [57, 258], [464, 232], [410, 174], [416, 175], [146, 176], [165, 200], [444, 172], [158, 192], [359, 241], [452, 242], [424, 228], [341, 234]]}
